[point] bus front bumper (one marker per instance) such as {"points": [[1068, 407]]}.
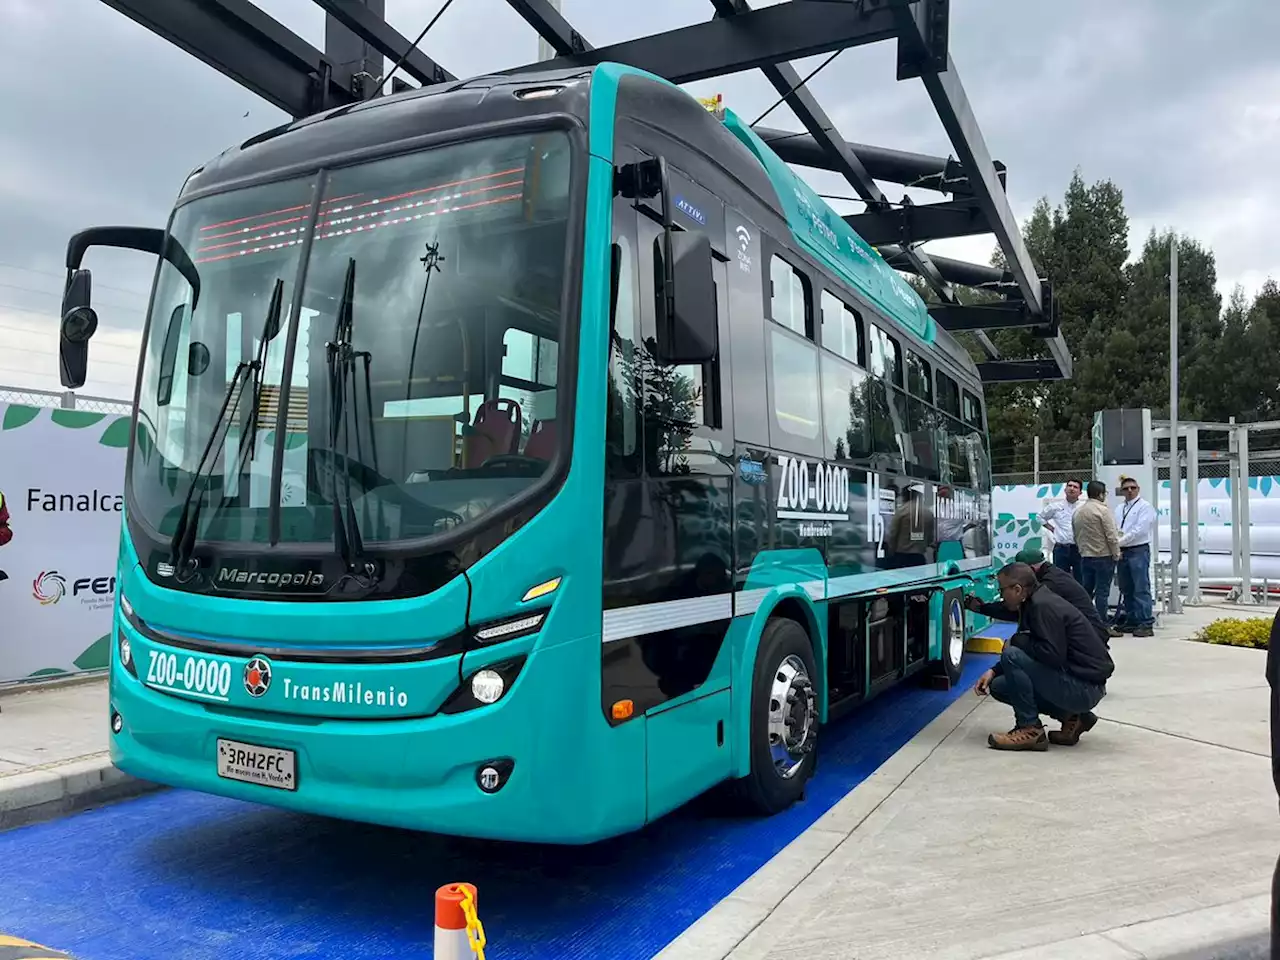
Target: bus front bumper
{"points": [[416, 773]]}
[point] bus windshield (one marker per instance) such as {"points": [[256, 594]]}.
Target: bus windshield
{"points": [[418, 365]]}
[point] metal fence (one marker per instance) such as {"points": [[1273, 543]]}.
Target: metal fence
{"points": [[67, 400]]}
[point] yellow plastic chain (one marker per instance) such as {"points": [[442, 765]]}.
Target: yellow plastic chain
{"points": [[475, 929]]}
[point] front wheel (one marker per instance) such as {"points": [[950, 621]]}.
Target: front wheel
{"points": [[784, 719]]}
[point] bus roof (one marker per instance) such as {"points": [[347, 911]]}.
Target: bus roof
{"points": [[824, 234]]}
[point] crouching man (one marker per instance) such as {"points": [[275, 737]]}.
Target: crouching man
{"points": [[1056, 664]]}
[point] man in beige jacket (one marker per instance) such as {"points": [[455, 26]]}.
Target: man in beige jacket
{"points": [[1098, 541]]}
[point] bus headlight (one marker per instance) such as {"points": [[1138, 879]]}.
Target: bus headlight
{"points": [[126, 652], [487, 686]]}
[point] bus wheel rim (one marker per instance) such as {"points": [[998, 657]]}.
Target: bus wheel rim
{"points": [[955, 634], [792, 716]]}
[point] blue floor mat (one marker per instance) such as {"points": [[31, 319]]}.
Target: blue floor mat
{"points": [[999, 629], [180, 874]]}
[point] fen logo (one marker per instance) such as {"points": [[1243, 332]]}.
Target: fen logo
{"points": [[49, 587]]}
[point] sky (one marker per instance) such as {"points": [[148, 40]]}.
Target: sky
{"points": [[1176, 101]]}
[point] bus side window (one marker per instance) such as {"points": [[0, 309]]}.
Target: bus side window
{"points": [[890, 422], [790, 303], [923, 420], [797, 400], [846, 416], [972, 410], [955, 463], [841, 329]]}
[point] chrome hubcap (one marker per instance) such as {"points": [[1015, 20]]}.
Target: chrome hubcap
{"points": [[792, 716], [955, 634]]}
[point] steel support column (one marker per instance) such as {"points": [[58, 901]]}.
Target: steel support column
{"points": [[1193, 517], [1241, 493]]}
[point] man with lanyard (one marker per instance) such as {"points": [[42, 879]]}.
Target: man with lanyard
{"points": [[1135, 519], [1056, 518], [1059, 581]]}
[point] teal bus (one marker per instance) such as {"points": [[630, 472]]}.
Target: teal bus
{"points": [[521, 457]]}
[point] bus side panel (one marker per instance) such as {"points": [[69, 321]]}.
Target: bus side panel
{"points": [[688, 751]]}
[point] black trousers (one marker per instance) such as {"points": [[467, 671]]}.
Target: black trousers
{"points": [[1275, 912]]}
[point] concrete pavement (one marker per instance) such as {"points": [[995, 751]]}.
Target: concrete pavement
{"points": [[1156, 836], [53, 752]]}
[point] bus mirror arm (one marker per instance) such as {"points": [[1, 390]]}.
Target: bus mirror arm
{"points": [[79, 320]]}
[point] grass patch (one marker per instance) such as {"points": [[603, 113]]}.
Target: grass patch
{"points": [[1253, 632]]}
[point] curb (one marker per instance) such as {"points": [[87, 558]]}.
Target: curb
{"points": [[58, 789], [984, 645]]}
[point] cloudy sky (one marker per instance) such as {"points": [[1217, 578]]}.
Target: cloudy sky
{"points": [[1177, 101]]}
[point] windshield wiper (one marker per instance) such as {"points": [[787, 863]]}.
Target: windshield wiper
{"points": [[184, 535], [270, 328], [341, 356]]}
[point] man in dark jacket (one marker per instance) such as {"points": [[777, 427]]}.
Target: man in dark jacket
{"points": [[1056, 664], [1056, 579], [1273, 680]]}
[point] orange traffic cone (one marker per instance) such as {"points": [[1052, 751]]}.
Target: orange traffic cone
{"points": [[458, 930]]}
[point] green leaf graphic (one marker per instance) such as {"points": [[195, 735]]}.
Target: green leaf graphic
{"points": [[17, 415], [47, 672], [75, 419], [117, 434], [96, 656]]}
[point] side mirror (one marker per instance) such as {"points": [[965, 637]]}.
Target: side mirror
{"points": [[79, 324], [688, 334], [79, 321]]}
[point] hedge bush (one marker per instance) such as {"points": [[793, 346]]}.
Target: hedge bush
{"points": [[1254, 632]]}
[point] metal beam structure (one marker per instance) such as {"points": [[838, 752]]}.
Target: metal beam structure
{"points": [[943, 174], [238, 39], [758, 38], [366, 20], [911, 223]]}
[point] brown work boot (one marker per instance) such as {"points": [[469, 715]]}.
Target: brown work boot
{"points": [[1020, 738], [1072, 727]]}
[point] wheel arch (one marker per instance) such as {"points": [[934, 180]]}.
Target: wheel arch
{"points": [[793, 603]]}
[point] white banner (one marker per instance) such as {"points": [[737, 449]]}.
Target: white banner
{"points": [[61, 476], [1016, 510]]}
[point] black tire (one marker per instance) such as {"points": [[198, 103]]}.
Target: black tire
{"points": [[954, 654], [766, 790]]}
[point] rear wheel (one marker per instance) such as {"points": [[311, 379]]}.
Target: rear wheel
{"points": [[784, 719], [951, 665]]}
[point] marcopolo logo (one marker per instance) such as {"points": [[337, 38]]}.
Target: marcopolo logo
{"points": [[49, 587], [236, 577]]}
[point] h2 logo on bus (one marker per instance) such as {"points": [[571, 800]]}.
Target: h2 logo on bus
{"points": [[812, 490]]}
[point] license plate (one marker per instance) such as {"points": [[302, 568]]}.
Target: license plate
{"points": [[250, 763]]}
